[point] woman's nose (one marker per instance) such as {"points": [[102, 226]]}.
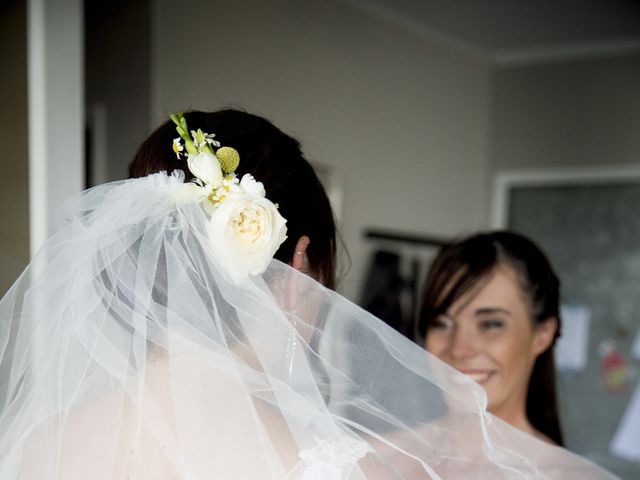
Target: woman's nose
{"points": [[462, 344]]}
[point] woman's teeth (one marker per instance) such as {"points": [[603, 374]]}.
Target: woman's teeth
{"points": [[478, 377]]}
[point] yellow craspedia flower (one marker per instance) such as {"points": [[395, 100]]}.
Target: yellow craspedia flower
{"points": [[229, 159]]}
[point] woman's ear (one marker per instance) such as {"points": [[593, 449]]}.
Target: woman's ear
{"points": [[544, 334], [300, 260]]}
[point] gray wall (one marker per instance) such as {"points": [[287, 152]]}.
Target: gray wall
{"points": [[567, 114]]}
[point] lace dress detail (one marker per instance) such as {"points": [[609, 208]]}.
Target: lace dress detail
{"points": [[331, 458]]}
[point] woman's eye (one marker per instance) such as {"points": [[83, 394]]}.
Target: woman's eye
{"points": [[441, 323], [491, 324]]}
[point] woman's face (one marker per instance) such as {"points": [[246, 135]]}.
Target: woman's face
{"points": [[488, 335]]}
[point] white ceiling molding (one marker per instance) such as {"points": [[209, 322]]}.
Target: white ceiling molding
{"points": [[509, 34], [416, 27], [563, 53]]}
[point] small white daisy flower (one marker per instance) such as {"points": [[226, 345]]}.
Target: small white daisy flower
{"points": [[177, 147]]}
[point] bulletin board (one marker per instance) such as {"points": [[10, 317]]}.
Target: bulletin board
{"points": [[588, 223]]}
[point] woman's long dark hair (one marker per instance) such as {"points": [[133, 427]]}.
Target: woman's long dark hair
{"points": [[273, 158], [461, 266]]}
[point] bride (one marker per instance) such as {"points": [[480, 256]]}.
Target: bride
{"points": [[182, 325]]}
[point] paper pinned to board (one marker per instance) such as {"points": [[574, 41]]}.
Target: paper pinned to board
{"points": [[626, 440], [635, 348], [572, 346]]}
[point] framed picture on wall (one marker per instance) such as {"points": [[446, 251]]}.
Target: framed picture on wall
{"points": [[587, 220]]}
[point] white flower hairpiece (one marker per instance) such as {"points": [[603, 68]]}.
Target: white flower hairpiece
{"points": [[245, 227]]}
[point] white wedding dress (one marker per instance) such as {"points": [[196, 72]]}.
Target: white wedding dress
{"points": [[128, 352]]}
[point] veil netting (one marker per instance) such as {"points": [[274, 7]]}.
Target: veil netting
{"points": [[129, 352]]}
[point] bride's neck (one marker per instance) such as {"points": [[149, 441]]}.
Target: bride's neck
{"points": [[518, 419], [514, 413]]}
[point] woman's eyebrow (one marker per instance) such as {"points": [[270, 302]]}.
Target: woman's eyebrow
{"points": [[491, 310]]}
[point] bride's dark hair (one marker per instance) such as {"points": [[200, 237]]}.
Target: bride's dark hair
{"points": [[273, 158], [463, 265]]}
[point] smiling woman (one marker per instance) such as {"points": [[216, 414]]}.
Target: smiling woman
{"points": [[491, 311]]}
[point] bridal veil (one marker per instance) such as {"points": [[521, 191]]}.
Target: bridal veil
{"points": [[128, 351]]}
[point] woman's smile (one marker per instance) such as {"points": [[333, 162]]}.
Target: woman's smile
{"points": [[478, 376]]}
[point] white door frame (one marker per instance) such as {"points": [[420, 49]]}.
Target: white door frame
{"points": [[505, 180], [55, 50]]}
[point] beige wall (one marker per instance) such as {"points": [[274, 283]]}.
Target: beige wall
{"points": [[570, 114], [414, 129], [14, 193], [403, 120]]}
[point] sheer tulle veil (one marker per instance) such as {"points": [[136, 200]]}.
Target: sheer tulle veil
{"points": [[130, 352]]}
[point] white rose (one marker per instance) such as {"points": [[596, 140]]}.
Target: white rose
{"points": [[245, 233], [206, 167]]}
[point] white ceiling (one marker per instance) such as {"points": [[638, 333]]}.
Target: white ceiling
{"points": [[520, 31]]}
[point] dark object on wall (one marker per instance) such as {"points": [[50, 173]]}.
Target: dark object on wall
{"points": [[383, 290], [426, 240], [388, 292]]}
